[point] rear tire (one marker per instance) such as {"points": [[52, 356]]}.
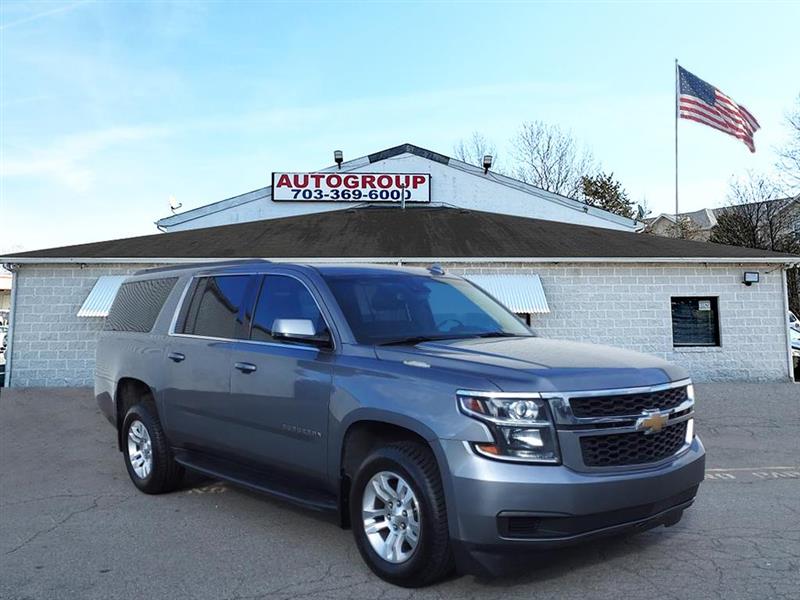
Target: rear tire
{"points": [[408, 543], [148, 457]]}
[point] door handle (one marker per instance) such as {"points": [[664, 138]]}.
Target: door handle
{"points": [[176, 356], [245, 367]]}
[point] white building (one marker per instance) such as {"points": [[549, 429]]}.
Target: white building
{"points": [[452, 182], [684, 301]]}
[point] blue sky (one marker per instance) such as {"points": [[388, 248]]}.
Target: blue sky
{"points": [[109, 108]]}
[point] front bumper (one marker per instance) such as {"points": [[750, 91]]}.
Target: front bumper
{"points": [[496, 508]]}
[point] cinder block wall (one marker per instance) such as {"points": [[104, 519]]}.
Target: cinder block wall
{"points": [[619, 305], [629, 306], [52, 346]]}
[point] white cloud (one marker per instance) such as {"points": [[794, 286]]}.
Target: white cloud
{"points": [[68, 161]]}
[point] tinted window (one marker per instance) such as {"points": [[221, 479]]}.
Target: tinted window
{"points": [[283, 298], [216, 307], [382, 308], [138, 303], [695, 322]]}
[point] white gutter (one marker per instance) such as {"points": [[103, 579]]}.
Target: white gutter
{"points": [[415, 259], [12, 319]]}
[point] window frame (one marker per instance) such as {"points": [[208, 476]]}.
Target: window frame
{"points": [[715, 309], [251, 299]]}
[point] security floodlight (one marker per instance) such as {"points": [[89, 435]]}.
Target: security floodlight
{"points": [[487, 163], [750, 277], [338, 157]]}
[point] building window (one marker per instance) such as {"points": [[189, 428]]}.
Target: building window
{"points": [[695, 321]]}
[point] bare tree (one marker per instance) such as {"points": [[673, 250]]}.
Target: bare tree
{"points": [[756, 216], [789, 155], [548, 157], [473, 149]]}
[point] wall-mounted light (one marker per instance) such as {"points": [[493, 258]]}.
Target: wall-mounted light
{"points": [[338, 157], [487, 163], [750, 277]]}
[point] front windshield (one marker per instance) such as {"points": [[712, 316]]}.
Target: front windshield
{"points": [[387, 308]]}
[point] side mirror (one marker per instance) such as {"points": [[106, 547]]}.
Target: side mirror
{"points": [[300, 330]]}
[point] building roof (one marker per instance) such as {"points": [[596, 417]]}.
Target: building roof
{"points": [[391, 233], [265, 194], [705, 218]]}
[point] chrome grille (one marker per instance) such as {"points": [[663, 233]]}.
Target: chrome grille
{"points": [[632, 448], [628, 404]]}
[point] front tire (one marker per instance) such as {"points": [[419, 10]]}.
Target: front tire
{"points": [[148, 457], [399, 517]]}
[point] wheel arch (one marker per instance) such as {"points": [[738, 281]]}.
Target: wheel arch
{"points": [[130, 391], [369, 429]]}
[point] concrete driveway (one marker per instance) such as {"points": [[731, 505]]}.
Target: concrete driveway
{"points": [[73, 526]]}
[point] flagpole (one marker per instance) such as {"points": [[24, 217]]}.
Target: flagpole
{"points": [[677, 94]]}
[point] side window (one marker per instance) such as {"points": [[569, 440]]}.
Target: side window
{"points": [[283, 297], [138, 303], [695, 321], [216, 307]]}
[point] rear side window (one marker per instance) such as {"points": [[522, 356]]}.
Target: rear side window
{"points": [[138, 303], [215, 309]]}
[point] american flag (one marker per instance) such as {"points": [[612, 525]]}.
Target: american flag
{"points": [[702, 102]]}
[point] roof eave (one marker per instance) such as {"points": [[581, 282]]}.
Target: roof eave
{"points": [[780, 260]]}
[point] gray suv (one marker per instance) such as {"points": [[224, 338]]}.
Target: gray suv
{"points": [[407, 402]]}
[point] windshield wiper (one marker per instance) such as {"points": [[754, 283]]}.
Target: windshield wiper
{"points": [[415, 339], [493, 334]]}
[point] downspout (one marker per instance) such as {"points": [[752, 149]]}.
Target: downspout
{"points": [[785, 291], [12, 319]]}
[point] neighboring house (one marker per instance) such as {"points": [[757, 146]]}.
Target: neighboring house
{"points": [[452, 183], [700, 223]]}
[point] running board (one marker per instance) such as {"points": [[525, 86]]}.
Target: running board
{"points": [[257, 481]]}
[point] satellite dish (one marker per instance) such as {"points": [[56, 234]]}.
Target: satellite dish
{"points": [[640, 214], [174, 204]]}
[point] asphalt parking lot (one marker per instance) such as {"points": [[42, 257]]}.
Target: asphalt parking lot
{"points": [[72, 526]]}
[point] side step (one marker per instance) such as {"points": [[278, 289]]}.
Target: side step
{"points": [[272, 484]]}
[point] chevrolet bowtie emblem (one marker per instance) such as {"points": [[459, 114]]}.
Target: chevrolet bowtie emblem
{"points": [[652, 422]]}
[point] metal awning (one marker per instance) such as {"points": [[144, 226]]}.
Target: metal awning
{"points": [[100, 299], [519, 293]]}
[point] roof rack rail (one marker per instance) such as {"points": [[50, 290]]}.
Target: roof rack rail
{"points": [[209, 264]]}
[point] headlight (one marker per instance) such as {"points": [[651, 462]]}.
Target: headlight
{"points": [[520, 423]]}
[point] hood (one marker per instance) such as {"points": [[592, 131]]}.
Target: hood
{"points": [[539, 364]]}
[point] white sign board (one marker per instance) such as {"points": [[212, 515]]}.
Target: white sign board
{"points": [[351, 187]]}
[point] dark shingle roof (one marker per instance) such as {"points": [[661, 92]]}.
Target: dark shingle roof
{"points": [[391, 232]]}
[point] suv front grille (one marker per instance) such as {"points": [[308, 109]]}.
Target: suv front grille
{"points": [[629, 404], [632, 448]]}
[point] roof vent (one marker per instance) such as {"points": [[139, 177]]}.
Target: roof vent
{"points": [[436, 270]]}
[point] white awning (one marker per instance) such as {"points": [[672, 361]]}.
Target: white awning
{"points": [[519, 293], [100, 299]]}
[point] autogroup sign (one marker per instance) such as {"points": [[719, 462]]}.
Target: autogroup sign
{"points": [[351, 187]]}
